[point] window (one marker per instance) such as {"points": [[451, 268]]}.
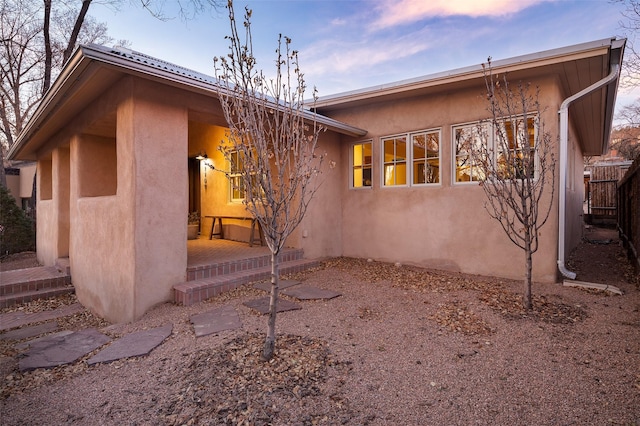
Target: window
{"points": [[361, 165], [413, 159], [514, 152], [467, 139], [236, 184], [395, 161], [426, 157]]}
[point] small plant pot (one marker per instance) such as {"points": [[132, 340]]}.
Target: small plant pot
{"points": [[192, 231]]}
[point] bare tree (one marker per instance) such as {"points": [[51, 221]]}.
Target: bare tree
{"points": [[630, 24], [36, 41], [272, 144], [625, 138], [33, 38], [513, 156]]}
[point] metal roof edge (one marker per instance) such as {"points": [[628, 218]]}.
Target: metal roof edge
{"points": [[74, 65], [147, 65], [468, 72]]}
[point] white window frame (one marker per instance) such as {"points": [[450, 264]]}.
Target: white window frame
{"points": [[409, 160], [454, 153], [233, 176], [352, 165], [491, 141]]}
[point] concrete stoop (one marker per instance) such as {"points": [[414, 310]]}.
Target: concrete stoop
{"points": [[211, 280], [25, 285]]}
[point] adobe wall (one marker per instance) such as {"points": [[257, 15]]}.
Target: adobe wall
{"points": [[116, 205], [444, 225]]}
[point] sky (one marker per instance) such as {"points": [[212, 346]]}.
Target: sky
{"points": [[347, 45]]}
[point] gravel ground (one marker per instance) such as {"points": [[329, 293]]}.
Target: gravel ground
{"points": [[402, 345]]}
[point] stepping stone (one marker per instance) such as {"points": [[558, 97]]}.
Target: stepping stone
{"points": [[266, 285], [135, 344], [60, 350], [214, 321], [26, 345], [310, 293], [262, 305], [26, 332]]}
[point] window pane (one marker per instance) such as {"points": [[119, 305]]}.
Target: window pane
{"points": [[367, 153], [357, 155], [426, 146], [467, 140], [358, 180], [432, 171], [389, 175], [361, 165], [389, 151], [401, 149], [395, 157], [515, 150]]}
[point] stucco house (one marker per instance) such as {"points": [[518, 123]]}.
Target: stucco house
{"points": [[116, 138]]}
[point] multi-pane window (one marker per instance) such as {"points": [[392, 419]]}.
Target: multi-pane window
{"points": [[515, 153], [395, 161], [510, 144], [426, 157], [468, 139], [412, 158], [361, 164], [236, 184]]}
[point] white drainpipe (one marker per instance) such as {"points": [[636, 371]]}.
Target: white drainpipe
{"points": [[564, 142]]}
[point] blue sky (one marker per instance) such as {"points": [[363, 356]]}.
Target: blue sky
{"points": [[351, 44]]}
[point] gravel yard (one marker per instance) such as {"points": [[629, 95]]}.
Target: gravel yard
{"points": [[402, 345]]}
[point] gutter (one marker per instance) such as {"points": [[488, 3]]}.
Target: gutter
{"points": [[564, 141]]}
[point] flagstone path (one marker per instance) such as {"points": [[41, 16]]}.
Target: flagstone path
{"points": [[66, 347]]}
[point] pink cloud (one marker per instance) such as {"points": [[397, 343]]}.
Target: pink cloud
{"points": [[395, 12]]}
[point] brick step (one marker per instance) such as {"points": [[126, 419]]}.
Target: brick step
{"points": [[27, 296], [191, 292], [32, 279], [230, 267]]}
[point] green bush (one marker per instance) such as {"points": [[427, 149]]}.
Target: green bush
{"points": [[16, 229]]}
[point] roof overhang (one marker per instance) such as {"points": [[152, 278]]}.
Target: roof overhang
{"points": [[92, 69], [575, 67]]}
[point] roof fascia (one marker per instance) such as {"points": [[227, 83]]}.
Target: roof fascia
{"points": [[65, 81], [139, 64], [538, 59]]}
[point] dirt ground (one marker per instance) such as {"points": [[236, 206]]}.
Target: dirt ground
{"points": [[402, 345]]}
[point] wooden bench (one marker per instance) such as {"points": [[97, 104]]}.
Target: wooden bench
{"points": [[252, 235]]}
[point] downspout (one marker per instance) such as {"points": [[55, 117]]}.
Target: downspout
{"points": [[564, 142]]}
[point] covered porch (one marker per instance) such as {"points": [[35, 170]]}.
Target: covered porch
{"points": [[215, 266]]}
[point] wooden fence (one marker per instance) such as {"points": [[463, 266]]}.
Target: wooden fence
{"points": [[601, 192], [629, 210]]}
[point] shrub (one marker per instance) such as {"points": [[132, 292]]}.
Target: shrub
{"points": [[16, 229]]}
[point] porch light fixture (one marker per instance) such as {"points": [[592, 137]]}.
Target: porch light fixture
{"points": [[207, 164]]}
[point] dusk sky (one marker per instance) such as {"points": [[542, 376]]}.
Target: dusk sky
{"points": [[351, 44]]}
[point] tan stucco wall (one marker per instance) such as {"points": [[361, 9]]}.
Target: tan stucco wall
{"points": [[52, 238], [127, 248], [444, 225]]}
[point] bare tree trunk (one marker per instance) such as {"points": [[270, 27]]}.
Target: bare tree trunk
{"points": [[526, 298], [270, 341], [47, 46], [76, 30]]}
